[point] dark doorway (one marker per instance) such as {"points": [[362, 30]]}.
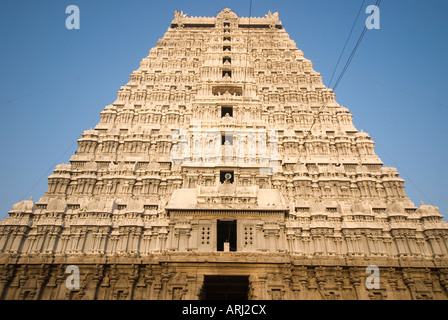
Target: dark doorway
{"points": [[227, 73], [227, 60], [226, 233], [226, 110], [225, 288]]}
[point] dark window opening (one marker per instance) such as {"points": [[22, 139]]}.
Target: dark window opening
{"points": [[233, 90], [225, 139], [226, 48], [227, 73], [226, 235], [226, 38], [226, 175], [226, 111], [225, 288], [226, 60], [226, 24]]}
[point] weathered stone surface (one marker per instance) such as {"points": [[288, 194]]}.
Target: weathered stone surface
{"points": [[225, 120]]}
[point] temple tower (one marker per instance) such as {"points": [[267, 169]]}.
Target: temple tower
{"points": [[224, 169]]}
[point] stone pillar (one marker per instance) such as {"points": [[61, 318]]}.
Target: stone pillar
{"points": [[194, 286], [410, 283], [261, 291]]}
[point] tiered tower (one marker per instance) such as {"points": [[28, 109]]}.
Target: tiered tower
{"points": [[224, 160]]}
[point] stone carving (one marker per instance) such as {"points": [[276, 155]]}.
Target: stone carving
{"points": [[311, 206]]}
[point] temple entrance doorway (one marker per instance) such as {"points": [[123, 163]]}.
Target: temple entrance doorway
{"points": [[225, 288]]}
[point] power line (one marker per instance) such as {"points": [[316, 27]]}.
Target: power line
{"points": [[402, 91], [68, 100], [380, 92], [397, 166], [35, 92], [55, 163], [344, 70], [60, 83], [346, 42], [250, 9], [347, 64], [361, 76], [46, 172]]}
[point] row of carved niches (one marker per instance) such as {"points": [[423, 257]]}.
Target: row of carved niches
{"points": [[115, 281], [243, 145], [336, 123], [293, 78], [89, 233]]}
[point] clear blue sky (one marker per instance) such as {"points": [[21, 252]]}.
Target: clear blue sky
{"points": [[54, 82]]}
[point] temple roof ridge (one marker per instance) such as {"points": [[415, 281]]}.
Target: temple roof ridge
{"points": [[270, 18]]}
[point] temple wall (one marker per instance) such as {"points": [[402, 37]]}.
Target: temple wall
{"points": [[180, 277]]}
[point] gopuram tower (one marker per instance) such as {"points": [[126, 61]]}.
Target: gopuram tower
{"points": [[224, 169]]}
